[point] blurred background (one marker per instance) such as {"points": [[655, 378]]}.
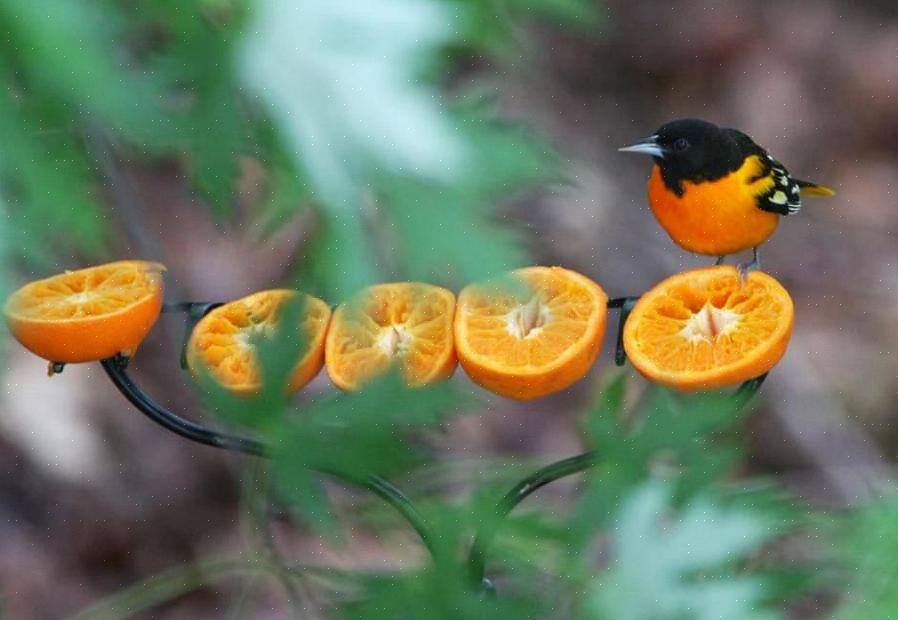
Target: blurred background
{"points": [[93, 497]]}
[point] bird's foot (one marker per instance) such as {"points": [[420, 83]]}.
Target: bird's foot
{"points": [[719, 260], [746, 268]]}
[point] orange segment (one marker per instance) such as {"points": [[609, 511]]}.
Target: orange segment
{"points": [[406, 323], [88, 314], [222, 341], [703, 329], [528, 343]]}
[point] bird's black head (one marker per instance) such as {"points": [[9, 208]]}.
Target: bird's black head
{"points": [[691, 149]]}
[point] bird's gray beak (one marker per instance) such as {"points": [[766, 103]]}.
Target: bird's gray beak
{"points": [[647, 146]]}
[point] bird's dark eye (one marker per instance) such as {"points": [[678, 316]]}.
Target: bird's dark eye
{"points": [[681, 144]]}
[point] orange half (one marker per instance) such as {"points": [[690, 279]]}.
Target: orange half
{"points": [[704, 329], [223, 341], [534, 341], [89, 314], [404, 324]]}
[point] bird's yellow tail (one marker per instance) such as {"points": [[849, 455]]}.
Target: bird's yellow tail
{"points": [[812, 189]]}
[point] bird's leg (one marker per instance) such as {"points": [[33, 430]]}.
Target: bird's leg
{"points": [[719, 260], [745, 268]]}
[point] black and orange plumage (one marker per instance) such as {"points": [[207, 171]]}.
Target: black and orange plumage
{"points": [[715, 191]]}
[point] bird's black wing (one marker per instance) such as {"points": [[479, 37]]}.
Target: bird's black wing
{"points": [[784, 196]]}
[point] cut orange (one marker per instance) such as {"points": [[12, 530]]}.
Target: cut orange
{"points": [[705, 329], [223, 340], [89, 314], [534, 340], [406, 324]]}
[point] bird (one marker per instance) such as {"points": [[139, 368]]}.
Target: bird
{"points": [[716, 191]]}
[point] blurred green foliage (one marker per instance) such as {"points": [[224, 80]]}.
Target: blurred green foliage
{"points": [[330, 97], [348, 109], [672, 560], [864, 544], [676, 531]]}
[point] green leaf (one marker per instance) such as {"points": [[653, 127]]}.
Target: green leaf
{"points": [[68, 50], [609, 401], [276, 352], [302, 492], [367, 127], [217, 140], [449, 232], [340, 258], [339, 78], [279, 350], [197, 59], [354, 436], [5, 258], [365, 432], [866, 551], [494, 27], [287, 190], [47, 178], [679, 561], [574, 13], [681, 436]]}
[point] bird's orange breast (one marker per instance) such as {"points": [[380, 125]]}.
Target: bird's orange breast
{"points": [[715, 217]]}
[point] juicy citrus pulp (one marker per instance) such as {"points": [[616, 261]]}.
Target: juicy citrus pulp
{"points": [[528, 341], [223, 342], [88, 314], [406, 324], [704, 328]]}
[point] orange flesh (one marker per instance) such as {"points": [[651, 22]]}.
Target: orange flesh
{"points": [[405, 324], [88, 314], [528, 343], [86, 293], [716, 218], [529, 331], [704, 329], [223, 341]]}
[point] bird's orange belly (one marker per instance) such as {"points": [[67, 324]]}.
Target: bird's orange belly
{"points": [[714, 218]]}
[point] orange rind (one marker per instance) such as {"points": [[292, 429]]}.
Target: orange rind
{"points": [[534, 338], [708, 328], [89, 314], [223, 343], [404, 325]]}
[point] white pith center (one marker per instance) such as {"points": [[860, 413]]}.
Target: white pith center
{"points": [[709, 323], [395, 340], [245, 337], [527, 320], [82, 297]]}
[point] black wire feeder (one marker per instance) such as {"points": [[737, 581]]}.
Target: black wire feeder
{"points": [[117, 370]]}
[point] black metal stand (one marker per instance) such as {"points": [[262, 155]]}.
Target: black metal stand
{"points": [[540, 478], [116, 369]]}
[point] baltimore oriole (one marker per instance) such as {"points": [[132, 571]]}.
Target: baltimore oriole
{"points": [[715, 191]]}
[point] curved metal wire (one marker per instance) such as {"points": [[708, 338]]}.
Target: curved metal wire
{"points": [[116, 370], [517, 494]]}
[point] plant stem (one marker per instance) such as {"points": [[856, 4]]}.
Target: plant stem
{"points": [[165, 587]]}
